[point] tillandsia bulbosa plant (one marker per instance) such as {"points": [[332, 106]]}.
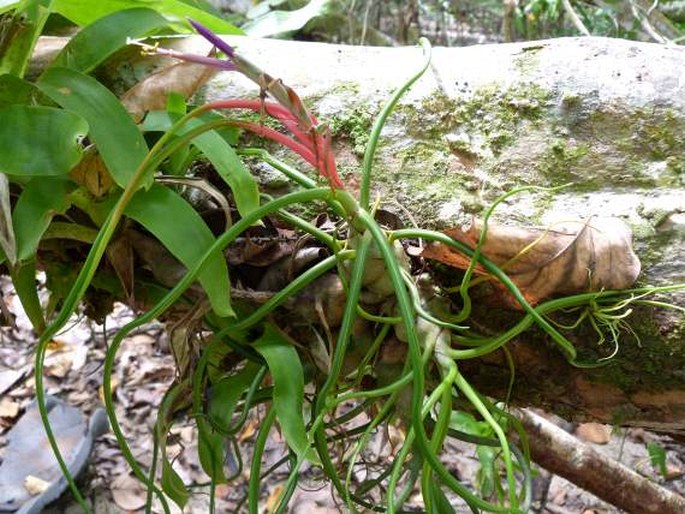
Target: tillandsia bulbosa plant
{"points": [[351, 333]]}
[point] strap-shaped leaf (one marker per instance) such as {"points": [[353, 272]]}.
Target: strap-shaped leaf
{"points": [[231, 169], [39, 141], [221, 154], [97, 41], [83, 12], [288, 394], [172, 484], [116, 136], [211, 450], [40, 200], [185, 234], [24, 281], [227, 392], [14, 90], [440, 502]]}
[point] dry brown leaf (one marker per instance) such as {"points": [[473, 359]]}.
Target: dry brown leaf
{"points": [[273, 499], [59, 364], [597, 433], [55, 345], [673, 471], [248, 431], [120, 256], [8, 408], [566, 258], [151, 93], [91, 173], [128, 493]]}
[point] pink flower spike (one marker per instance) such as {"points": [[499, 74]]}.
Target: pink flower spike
{"points": [[274, 110], [300, 149]]}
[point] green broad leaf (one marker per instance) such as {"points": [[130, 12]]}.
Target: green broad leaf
{"points": [[40, 200], [210, 450], [173, 486], [288, 393], [231, 169], [14, 90], [465, 422], [180, 160], [185, 234], [24, 281], [116, 136], [19, 35], [175, 399], [97, 41], [39, 141], [279, 22], [204, 5], [222, 156], [84, 12], [227, 392], [176, 103]]}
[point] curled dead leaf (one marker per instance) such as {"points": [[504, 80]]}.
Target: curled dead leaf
{"points": [[151, 93], [128, 493], [565, 258], [91, 173]]}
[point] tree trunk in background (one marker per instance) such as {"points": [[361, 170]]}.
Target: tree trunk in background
{"points": [[606, 116]]}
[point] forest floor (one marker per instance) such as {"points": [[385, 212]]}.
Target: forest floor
{"points": [[74, 369]]}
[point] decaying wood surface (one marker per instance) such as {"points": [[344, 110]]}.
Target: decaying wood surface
{"points": [[563, 454]]}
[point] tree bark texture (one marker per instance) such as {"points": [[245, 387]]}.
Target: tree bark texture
{"points": [[606, 117], [562, 454]]}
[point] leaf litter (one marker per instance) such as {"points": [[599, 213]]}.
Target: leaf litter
{"points": [[144, 371]]}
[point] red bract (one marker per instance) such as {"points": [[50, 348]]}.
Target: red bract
{"points": [[310, 140], [312, 143]]}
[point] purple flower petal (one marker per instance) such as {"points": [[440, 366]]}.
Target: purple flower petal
{"points": [[213, 38], [207, 61]]}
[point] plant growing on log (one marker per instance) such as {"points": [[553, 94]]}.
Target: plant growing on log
{"points": [[374, 343]]}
